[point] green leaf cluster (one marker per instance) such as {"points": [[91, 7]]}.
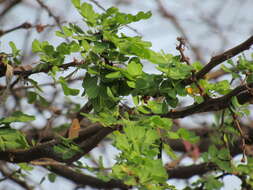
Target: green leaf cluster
{"points": [[12, 139], [136, 164]]}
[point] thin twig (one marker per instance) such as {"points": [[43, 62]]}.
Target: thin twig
{"points": [[9, 7], [181, 47], [25, 25], [237, 124], [179, 27]]}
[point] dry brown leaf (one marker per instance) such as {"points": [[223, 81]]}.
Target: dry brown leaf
{"points": [[9, 71], [23, 68], [74, 129]]}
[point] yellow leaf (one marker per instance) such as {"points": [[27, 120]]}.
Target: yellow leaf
{"points": [[192, 91], [189, 90], [74, 129]]}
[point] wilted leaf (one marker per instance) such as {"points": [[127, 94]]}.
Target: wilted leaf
{"points": [[74, 129]]}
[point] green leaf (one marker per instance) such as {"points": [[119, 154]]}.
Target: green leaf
{"points": [[68, 91], [88, 13], [43, 102], [36, 47], [52, 177], [66, 148], [172, 135], [226, 69], [197, 66], [143, 109], [74, 47], [136, 100], [76, 3], [48, 50], [141, 83], [31, 97], [188, 135], [163, 123], [114, 75], [169, 151], [59, 34], [235, 102], [134, 69], [212, 183], [14, 49], [111, 95], [158, 108], [141, 15], [25, 166], [12, 139], [100, 47], [17, 116], [85, 45], [67, 31], [63, 49], [90, 86]]}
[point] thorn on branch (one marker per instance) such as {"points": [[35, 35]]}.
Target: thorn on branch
{"points": [[181, 47]]}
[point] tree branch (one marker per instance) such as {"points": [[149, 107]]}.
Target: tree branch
{"points": [[46, 149], [185, 172], [218, 59], [26, 73], [9, 7], [83, 179], [15, 179], [215, 104], [25, 25]]}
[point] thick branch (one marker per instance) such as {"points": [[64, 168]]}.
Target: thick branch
{"points": [[84, 180], [215, 104], [91, 143], [185, 172], [46, 149]]}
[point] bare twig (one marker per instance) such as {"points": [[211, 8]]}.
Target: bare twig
{"points": [[9, 7], [237, 124], [12, 177], [180, 28], [25, 25]]}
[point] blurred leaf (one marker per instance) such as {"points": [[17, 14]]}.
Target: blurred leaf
{"points": [[88, 13], [32, 96], [14, 49], [74, 129], [36, 47], [68, 91], [17, 116], [134, 69], [76, 3], [114, 75], [52, 177]]}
